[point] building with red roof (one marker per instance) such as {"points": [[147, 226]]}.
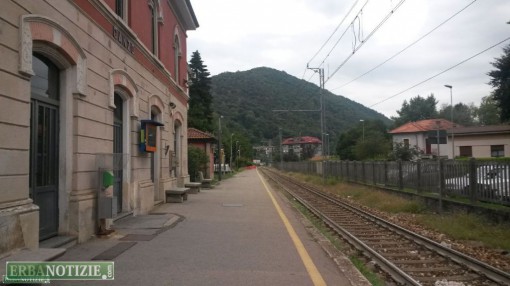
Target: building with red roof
{"points": [[302, 146], [473, 141], [204, 141], [423, 134]]}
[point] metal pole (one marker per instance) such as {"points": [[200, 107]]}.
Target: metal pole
{"points": [[281, 150], [219, 147], [451, 119], [237, 156], [437, 131], [363, 124], [231, 150]]}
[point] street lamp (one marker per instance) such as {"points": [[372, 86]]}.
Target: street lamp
{"points": [[451, 118], [363, 122]]}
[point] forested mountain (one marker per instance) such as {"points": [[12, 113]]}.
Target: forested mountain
{"points": [[246, 101]]}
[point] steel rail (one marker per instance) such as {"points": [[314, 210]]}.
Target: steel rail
{"points": [[394, 271], [479, 267]]}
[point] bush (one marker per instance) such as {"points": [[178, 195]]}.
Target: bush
{"points": [[197, 161]]}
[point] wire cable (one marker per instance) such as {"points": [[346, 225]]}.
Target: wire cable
{"points": [[343, 34], [331, 36], [367, 38], [406, 48], [440, 73]]}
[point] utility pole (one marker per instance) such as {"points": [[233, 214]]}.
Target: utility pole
{"points": [[219, 148], [281, 150], [451, 119], [321, 99]]}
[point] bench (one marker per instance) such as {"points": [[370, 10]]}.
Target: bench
{"points": [[176, 195], [194, 187], [206, 183]]}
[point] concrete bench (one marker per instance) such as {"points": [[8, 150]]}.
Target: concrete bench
{"points": [[206, 183], [194, 187], [176, 195]]}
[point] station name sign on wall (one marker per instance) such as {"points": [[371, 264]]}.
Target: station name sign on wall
{"points": [[123, 40]]}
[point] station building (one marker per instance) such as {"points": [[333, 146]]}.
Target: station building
{"points": [[77, 80]]}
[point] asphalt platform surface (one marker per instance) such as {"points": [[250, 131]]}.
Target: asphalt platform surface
{"points": [[232, 234]]}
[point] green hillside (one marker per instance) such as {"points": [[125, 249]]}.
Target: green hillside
{"points": [[247, 100]]}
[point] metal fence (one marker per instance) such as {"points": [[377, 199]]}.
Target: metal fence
{"points": [[475, 180]]}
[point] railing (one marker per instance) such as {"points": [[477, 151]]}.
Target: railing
{"points": [[475, 180]]}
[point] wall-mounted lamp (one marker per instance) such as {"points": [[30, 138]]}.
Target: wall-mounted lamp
{"points": [[172, 105]]}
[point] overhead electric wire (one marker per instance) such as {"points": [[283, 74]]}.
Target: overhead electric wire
{"points": [[438, 74], [409, 46], [343, 34], [331, 36], [367, 38]]}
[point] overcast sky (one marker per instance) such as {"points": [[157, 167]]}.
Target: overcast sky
{"points": [[286, 34]]}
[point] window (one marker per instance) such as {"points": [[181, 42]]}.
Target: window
{"points": [[497, 150], [153, 6], [466, 151], [45, 82], [177, 57], [406, 142], [121, 9]]}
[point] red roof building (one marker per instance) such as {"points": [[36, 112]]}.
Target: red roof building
{"points": [[423, 134], [303, 146], [205, 141]]}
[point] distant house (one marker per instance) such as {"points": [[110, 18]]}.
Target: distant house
{"points": [[475, 141], [423, 134], [481, 141], [204, 141], [303, 147]]}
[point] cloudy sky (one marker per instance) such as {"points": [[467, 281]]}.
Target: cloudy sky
{"points": [[288, 34]]}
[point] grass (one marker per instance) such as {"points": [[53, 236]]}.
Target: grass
{"points": [[371, 276], [463, 226], [459, 226]]}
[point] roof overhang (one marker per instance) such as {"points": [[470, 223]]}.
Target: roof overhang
{"points": [[152, 122], [185, 12]]}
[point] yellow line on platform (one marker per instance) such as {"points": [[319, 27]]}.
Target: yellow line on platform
{"points": [[305, 257]]}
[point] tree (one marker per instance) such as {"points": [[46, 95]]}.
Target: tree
{"points": [[200, 114], [488, 112], [463, 114], [375, 146], [197, 161], [404, 152], [418, 108], [500, 81], [346, 144], [352, 145]]}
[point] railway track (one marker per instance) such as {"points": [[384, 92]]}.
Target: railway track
{"points": [[409, 258]]}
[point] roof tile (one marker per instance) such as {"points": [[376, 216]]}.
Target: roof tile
{"points": [[424, 125]]}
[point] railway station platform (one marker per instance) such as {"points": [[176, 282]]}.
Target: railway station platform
{"points": [[239, 233]]}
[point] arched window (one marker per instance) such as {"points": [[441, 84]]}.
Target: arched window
{"points": [[177, 57], [153, 6], [177, 148]]}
